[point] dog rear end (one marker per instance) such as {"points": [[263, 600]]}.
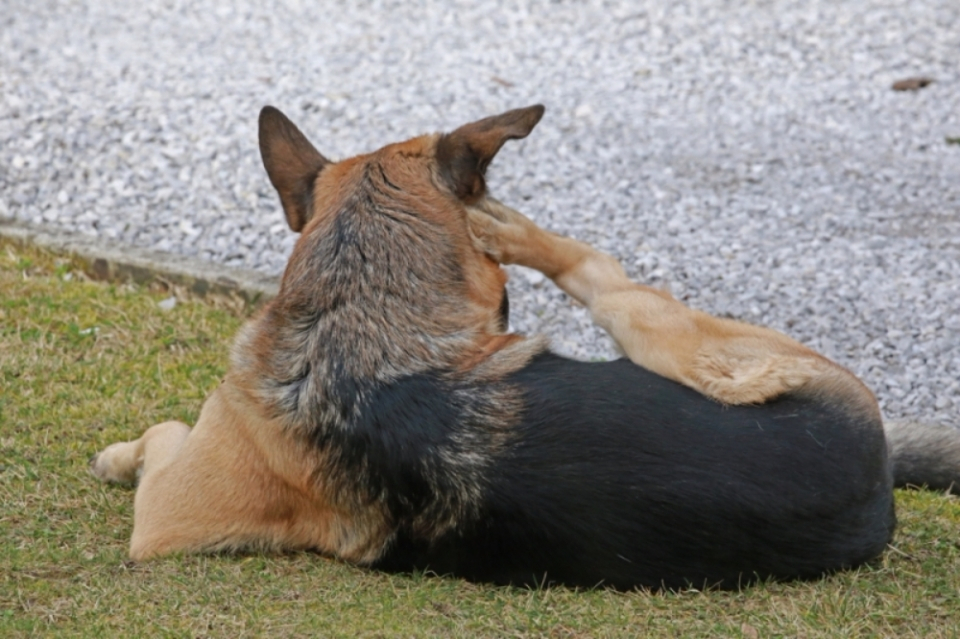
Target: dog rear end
{"points": [[616, 476]]}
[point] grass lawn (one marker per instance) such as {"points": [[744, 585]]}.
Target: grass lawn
{"points": [[84, 364]]}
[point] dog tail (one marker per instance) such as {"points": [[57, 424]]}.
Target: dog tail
{"points": [[924, 454]]}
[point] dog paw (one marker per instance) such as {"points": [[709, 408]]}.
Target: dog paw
{"points": [[117, 464], [499, 231], [487, 234]]}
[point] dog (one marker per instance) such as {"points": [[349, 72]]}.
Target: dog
{"points": [[377, 410]]}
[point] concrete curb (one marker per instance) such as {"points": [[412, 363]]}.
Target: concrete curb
{"points": [[116, 262]]}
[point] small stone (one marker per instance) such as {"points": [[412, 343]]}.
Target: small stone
{"points": [[911, 84], [167, 304]]}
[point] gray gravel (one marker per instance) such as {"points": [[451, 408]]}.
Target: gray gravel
{"points": [[750, 156]]}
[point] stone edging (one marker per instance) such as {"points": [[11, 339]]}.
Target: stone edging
{"points": [[117, 262]]}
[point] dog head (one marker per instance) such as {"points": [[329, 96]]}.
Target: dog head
{"points": [[385, 279]]}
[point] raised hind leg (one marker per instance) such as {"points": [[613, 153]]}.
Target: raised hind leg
{"points": [[732, 362]]}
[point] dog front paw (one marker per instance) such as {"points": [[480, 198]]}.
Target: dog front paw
{"points": [[117, 463]]}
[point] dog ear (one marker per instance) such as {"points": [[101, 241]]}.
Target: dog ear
{"points": [[291, 163], [464, 154]]}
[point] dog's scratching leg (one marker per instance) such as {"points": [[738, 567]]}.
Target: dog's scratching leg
{"points": [[732, 362]]}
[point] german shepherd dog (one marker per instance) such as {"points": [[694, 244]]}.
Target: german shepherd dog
{"points": [[379, 411]]}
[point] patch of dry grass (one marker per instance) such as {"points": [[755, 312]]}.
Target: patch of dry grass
{"points": [[84, 364]]}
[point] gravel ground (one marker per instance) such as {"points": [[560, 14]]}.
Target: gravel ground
{"points": [[750, 156]]}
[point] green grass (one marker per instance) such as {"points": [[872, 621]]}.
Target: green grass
{"points": [[84, 364]]}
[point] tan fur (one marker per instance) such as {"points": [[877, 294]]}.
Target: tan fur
{"points": [[249, 473]]}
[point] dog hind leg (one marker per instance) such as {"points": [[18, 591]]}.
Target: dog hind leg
{"points": [[732, 362]]}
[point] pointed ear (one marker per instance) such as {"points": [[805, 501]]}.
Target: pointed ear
{"points": [[463, 155], [291, 163]]}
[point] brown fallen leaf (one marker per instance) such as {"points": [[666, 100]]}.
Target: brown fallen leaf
{"points": [[911, 84]]}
